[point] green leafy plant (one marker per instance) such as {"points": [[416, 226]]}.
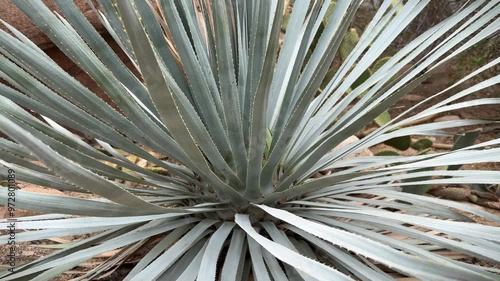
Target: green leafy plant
{"points": [[237, 131]]}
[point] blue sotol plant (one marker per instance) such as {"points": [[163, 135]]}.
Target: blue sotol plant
{"points": [[207, 156]]}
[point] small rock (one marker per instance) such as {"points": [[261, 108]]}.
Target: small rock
{"points": [[359, 153], [29, 253], [414, 98], [447, 118]]}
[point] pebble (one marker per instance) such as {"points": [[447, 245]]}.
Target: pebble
{"points": [[414, 98], [359, 153]]}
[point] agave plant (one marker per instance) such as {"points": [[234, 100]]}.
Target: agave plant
{"points": [[232, 126]]}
